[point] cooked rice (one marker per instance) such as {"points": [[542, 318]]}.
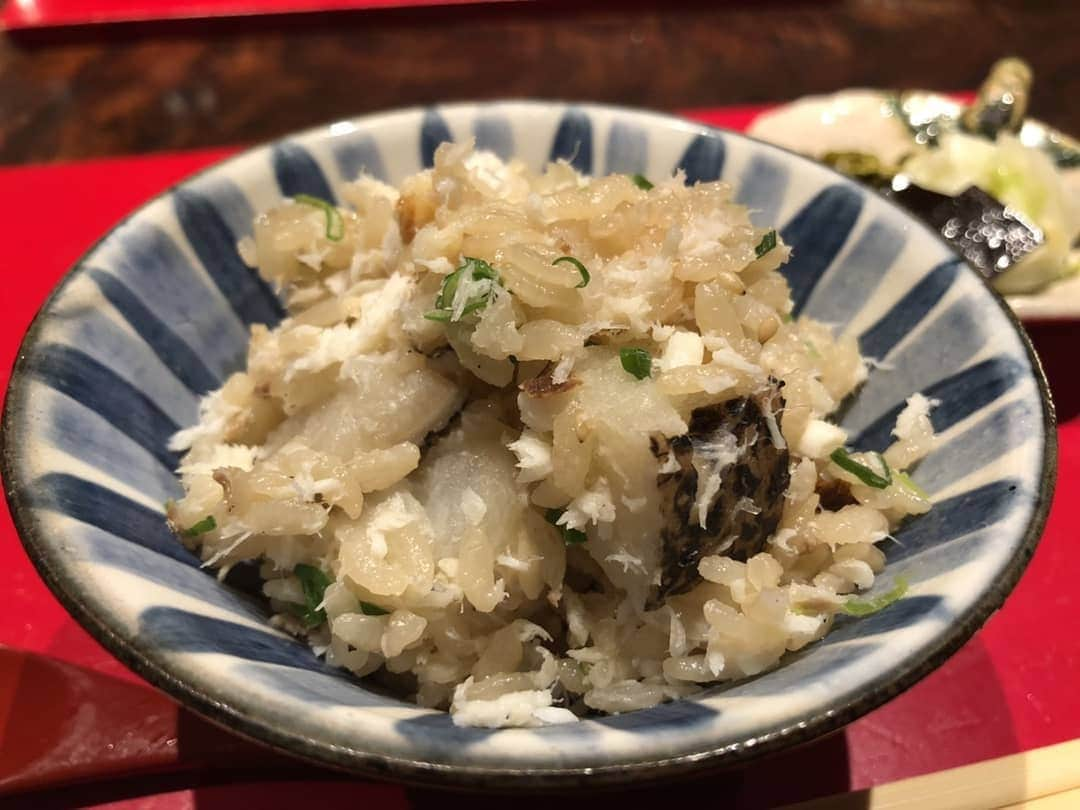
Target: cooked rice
{"points": [[413, 461]]}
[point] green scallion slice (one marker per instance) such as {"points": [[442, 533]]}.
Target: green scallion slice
{"points": [[474, 305], [314, 583], [641, 181], [335, 225], [449, 287], [637, 362], [368, 609], [857, 607], [767, 243], [580, 268], [444, 301], [904, 480], [842, 459], [481, 269], [207, 524], [571, 537]]}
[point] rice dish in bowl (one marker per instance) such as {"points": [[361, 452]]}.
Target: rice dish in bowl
{"points": [[161, 312], [531, 446]]}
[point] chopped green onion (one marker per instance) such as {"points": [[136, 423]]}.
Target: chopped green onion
{"points": [[314, 582], [904, 480], [444, 301], [368, 609], [637, 362], [207, 524], [842, 459], [641, 181], [767, 243], [449, 288], [580, 268], [482, 269], [571, 537], [335, 225], [856, 607], [474, 305], [788, 318]]}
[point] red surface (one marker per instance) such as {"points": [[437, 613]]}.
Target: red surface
{"points": [[1013, 687], [19, 14]]}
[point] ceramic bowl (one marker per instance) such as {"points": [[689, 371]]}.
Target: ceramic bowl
{"points": [[157, 313]]}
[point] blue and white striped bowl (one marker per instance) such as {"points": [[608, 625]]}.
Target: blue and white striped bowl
{"points": [[157, 314]]}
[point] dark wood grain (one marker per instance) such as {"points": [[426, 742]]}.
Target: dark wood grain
{"points": [[128, 89]]}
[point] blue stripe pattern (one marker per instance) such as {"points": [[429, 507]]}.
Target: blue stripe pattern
{"points": [[627, 149], [103, 391], [103, 446], [177, 356], [98, 506], [433, 131], [493, 133], [949, 341], [958, 396], [854, 278], [151, 265], [181, 576], [960, 516], [357, 154], [106, 340], [229, 201], [297, 172], [215, 245], [907, 313], [818, 231], [703, 160], [977, 447], [573, 141], [182, 630], [761, 189]]}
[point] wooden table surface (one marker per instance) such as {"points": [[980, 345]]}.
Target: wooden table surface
{"points": [[129, 89]]}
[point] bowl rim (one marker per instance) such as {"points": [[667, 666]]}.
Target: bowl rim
{"points": [[829, 718]]}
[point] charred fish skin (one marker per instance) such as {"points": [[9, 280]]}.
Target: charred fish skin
{"points": [[743, 501]]}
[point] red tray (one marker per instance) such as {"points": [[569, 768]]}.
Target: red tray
{"points": [[78, 715], [22, 14]]}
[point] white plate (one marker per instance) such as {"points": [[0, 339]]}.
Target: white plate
{"points": [[853, 120]]}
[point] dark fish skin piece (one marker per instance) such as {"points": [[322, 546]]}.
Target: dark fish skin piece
{"points": [[990, 235], [835, 495], [545, 386], [760, 474], [433, 436]]}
